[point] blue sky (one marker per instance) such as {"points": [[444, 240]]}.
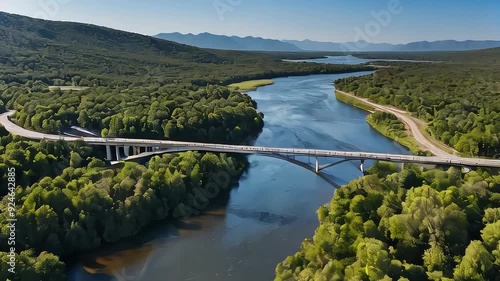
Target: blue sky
{"points": [[323, 20]]}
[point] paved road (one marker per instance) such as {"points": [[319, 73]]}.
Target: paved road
{"points": [[168, 146], [16, 130], [412, 125]]}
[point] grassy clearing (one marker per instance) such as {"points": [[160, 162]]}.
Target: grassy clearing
{"points": [[353, 101], [68, 88], [251, 85]]}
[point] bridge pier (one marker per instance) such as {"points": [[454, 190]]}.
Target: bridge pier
{"points": [[126, 150], [317, 166], [109, 156], [362, 166], [117, 150]]}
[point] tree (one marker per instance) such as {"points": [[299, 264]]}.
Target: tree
{"points": [[477, 264], [372, 260], [49, 267], [434, 258], [75, 160], [491, 235]]}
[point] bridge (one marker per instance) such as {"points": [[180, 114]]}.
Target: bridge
{"points": [[125, 149], [138, 148]]}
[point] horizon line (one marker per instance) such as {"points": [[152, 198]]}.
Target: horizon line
{"points": [[319, 41]]}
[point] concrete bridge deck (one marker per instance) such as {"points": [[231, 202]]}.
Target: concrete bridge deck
{"points": [[164, 146]]}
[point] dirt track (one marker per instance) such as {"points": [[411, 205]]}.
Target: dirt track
{"points": [[411, 122]]}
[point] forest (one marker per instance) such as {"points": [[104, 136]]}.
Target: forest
{"points": [[408, 225], [178, 112], [458, 98], [69, 201]]}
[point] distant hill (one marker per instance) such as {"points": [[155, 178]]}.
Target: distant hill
{"points": [[444, 45], [25, 33], [59, 52], [222, 42]]}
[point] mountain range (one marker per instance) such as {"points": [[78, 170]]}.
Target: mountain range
{"points": [[213, 41], [222, 42]]}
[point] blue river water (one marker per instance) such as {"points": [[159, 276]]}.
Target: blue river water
{"points": [[272, 210]]}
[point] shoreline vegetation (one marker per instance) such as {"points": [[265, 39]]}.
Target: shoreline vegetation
{"points": [[386, 124], [408, 225], [390, 126], [347, 99]]}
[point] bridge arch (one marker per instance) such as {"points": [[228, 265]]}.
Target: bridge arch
{"points": [[317, 169], [308, 167]]}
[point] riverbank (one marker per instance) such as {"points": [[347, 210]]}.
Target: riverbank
{"points": [[350, 100], [392, 128], [413, 126]]}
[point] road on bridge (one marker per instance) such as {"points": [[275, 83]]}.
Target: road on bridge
{"points": [[167, 146]]}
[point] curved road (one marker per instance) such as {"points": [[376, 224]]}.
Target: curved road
{"points": [[168, 146], [412, 125]]}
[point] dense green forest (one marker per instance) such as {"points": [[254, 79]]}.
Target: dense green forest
{"points": [[459, 98], [173, 111], [70, 201], [409, 225]]}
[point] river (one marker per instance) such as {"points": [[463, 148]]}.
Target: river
{"points": [[352, 60], [272, 210]]}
